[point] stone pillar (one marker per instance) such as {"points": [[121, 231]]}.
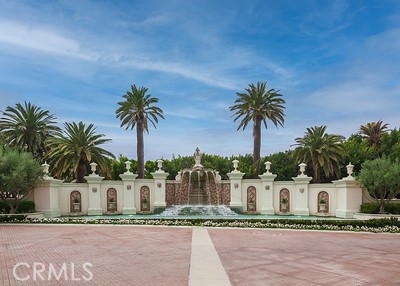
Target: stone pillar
{"points": [[94, 182], [349, 195], [300, 197], [236, 188], [267, 191], [45, 195], [159, 193], [129, 190]]}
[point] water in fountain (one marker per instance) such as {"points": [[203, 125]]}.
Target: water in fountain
{"points": [[198, 194], [202, 210]]}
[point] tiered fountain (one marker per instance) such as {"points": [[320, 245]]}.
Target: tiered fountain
{"points": [[198, 192]]}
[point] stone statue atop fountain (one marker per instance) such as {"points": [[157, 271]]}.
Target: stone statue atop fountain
{"points": [[197, 160]]}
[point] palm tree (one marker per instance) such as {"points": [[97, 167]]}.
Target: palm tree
{"points": [[258, 105], [373, 132], [136, 111], [324, 151], [76, 147], [27, 127]]}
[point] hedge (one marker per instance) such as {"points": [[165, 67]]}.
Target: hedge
{"points": [[373, 208], [23, 207]]}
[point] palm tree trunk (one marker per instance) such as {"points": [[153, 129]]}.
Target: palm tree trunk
{"points": [[140, 149], [81, 172], [257, 145]]}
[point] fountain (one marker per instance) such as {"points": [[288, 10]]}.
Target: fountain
{"points": [[198, 193]]}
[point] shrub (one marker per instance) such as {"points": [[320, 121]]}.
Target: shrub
{"points": [[26, 207], [373, 208]]}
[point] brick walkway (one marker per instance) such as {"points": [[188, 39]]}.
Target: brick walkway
{"points": [[134, 255]]}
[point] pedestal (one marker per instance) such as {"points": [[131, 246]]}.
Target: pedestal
{"points": [[236, 191], [160, 203], [94, 182], [46, 197], [129, 193], [300, 198], [349, 198], [267, 194]]}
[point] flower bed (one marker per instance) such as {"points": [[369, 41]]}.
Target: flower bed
{"points": [[373, 225]]}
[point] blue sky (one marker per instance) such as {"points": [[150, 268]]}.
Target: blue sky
{"points": [[337, 63]]}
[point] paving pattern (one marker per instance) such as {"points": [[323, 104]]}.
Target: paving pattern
{"points": [[284, 257], [119, 255], [137, 255]]}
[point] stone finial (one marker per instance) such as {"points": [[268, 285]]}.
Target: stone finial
{"points": [[128, 167], [350, 171], [159, 165], [93, 167], [302, 169], [235, 165], [267, 167], [45, 168]]}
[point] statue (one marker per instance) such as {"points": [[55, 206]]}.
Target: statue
{"points": [[197, 159]]}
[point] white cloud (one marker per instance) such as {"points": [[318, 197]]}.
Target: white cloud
{"points": [[40, 39]]}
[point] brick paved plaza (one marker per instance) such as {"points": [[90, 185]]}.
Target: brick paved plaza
{"points": [[136, 255]]}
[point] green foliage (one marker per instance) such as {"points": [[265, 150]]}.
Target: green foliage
{"points": [[357, 151], [150, 167], [283, 165], [373, 132], [321, 150], [19, 174], [26, 207], [257, 105], [118, 167], [381, 177], [390, 144], [373, 208], [76, 148], [27, 127], [12, 218], [137, 110]]}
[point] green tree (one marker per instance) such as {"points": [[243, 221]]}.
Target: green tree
{"points": [[118, 167], [357, 151], [324, 151], [258, 105], [381, 177], [76, 147], [390, 144], [373, 132], [27, 127], [20, 173], [137, 110], [283, 165]]}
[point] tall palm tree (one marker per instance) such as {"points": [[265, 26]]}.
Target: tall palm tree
{"points": [[137, 110], [373, 132], [324, 151], [76, 147], [258, 105], [27, 127]]}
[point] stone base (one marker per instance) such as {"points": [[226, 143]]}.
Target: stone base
{"points": [[112, 213], [95, 211], [128, 210], [267, 211], [145, 212], [51, 213], [323, 214], [251, 213], [76, 214], [345, 213], [284, 213], [158, 210], [303, 212]]}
